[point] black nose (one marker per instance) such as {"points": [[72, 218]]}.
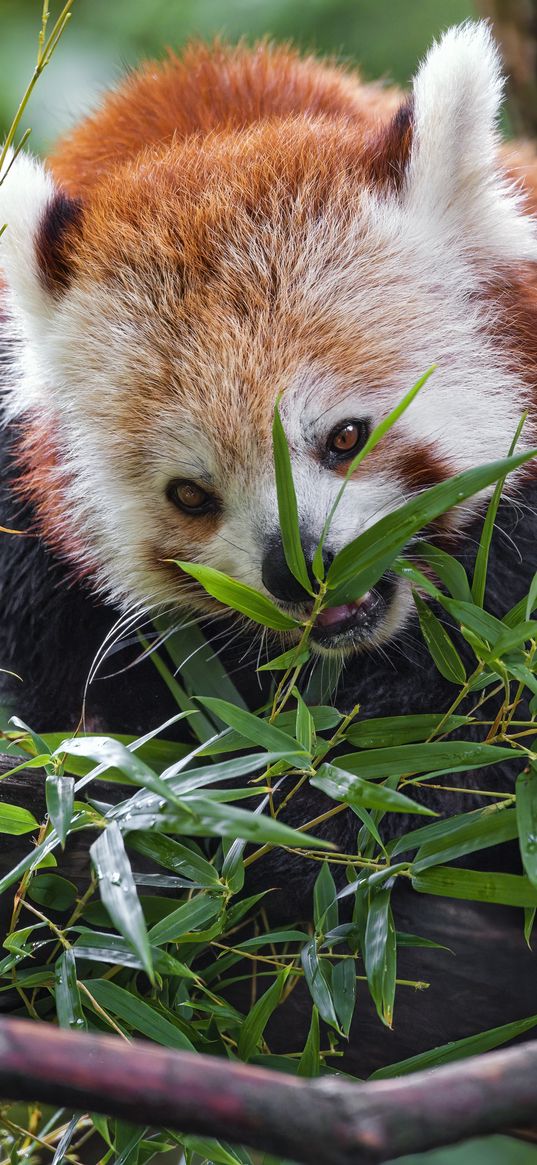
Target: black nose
{"points": [[277, 577]]}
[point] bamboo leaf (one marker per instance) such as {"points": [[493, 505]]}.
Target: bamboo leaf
{"points": [[449, 570], [287, 505], [344, 991], [188, 918], [259, 731], [477, 886], [310, 1060], [480, 832], [362, 562], [15, 820], [118, 891], [256, 1021], [453, 756], [60, 793], [325, 906], [68, 1004], [383, 731], [380, 945], [316, 973], [526, 813], [341, 785], [457, 1049], [441, 646], [137, 1014], [239, 597], [481, 563]]}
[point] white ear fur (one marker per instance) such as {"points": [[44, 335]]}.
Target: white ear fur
{"points": [[453, 173], [25, 193]]}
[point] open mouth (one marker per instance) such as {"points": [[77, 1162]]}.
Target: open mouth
{"points": [[356, 622]]}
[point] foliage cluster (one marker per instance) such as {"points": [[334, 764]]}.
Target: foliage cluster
{"points": [[160, 964]]}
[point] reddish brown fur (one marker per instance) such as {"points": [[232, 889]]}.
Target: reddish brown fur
{"points": [[223, 123]]}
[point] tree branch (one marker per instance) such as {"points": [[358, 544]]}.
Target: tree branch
{"points": [[317, 1122]]}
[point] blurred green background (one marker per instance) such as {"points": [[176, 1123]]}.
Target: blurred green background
{"points": [[386, 37]]}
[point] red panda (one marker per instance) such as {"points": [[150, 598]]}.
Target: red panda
{"points": [[233, 225], [238, 223]]}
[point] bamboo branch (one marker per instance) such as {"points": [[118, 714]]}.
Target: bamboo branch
{"points": [[317, 1122]]}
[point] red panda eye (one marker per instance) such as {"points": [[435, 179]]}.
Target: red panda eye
{"points": [[349, 438], [190, 497]]}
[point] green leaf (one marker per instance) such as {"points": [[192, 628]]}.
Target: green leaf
{"points": [[380, 953], [526, 812], [259, 731], [171, 854], [53, 891], [137, 1014], [213, 1152], [118, 891], [291, 658], [209, 819], [491, 826], [310, 1060], [201, 776], [186, 920], [440, 645], [325, 906], [457, 1049], [189, 781], [362, 562], [15, 820], [449, 570], [531, 601], [107, 752], [481, 563], [68, 1005], [316, 972], [453, 756], [389, 730], [378, 433], [524, 608], [305, 727], [239, 597], [256, 1021], [478, 822], [103, 947], [486, 626], [60, 792], [514, 637], [529, 919], [344, 991], [287, 505], [341, 785], [477, 886]]}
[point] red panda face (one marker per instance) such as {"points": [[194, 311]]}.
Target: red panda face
{"points": [[161, 317]]}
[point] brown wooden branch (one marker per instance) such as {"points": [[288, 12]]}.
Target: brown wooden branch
{"points": [[328, 1121]]}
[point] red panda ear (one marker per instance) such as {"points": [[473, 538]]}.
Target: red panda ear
{"points": [[389, 149], [453, 186], [55, 240], [39, 239]]}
